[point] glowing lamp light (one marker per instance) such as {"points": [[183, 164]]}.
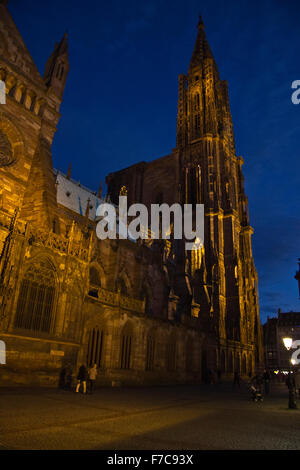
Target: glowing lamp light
{"points": [[287, 343], [293, 362], [276, 372]]}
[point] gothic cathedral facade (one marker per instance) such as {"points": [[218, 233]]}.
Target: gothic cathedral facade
{"points": [[146, 312]]}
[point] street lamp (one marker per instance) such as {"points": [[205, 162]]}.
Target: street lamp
{"points": [[287, 341], [290, 380]]}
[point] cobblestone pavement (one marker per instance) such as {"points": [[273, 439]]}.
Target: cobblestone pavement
{"points": [[212, 417]]}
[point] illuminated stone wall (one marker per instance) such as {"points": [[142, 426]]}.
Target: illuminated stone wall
{"points": [[138, 309]]}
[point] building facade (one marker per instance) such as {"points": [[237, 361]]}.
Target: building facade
{"points": [[144, 311], [286, 324]]}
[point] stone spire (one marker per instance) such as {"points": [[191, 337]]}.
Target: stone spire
{"points": [[57, 67], [201, 49]]}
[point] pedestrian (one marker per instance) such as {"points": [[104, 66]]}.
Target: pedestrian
{"points": [[258, 381], [290, 381], [236, 379], [256, 387], [297, 380], [92, 377], [219, 374], [266, 379], [81, 378], [291, 384]]}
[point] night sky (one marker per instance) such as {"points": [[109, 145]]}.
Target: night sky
{"points": [[120, 102]]}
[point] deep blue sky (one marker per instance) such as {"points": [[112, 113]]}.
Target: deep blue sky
{"points": [[120, 102]]}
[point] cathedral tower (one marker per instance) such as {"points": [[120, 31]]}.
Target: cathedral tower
{"points": [[28, 123], [211, 174], [219, 280]]}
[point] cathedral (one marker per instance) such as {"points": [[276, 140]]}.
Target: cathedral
{"points": [[145, 311]]}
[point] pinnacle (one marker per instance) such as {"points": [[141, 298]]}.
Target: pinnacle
{"points": [[201, 49], [200, 22]]}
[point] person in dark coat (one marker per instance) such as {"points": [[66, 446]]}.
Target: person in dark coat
{"points": [[81, 378], [290, 382], [93, 372]]}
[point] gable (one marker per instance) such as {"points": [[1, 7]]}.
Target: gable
{"points": [[13, 49]]}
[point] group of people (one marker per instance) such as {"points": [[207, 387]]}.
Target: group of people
{"points": [[259, 381], [85, 380]]}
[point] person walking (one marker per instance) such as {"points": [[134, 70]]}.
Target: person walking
{"points": [[81, 378], [257, 387], [266, 379], [291, 385], [92, 377]]}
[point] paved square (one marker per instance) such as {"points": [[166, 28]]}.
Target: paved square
{"points": [[212, 417]]}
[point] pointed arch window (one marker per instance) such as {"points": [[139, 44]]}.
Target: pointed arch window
{"points": [[126, 347], [150, 352], [95, 347], [36, 299], [60, 71]]}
